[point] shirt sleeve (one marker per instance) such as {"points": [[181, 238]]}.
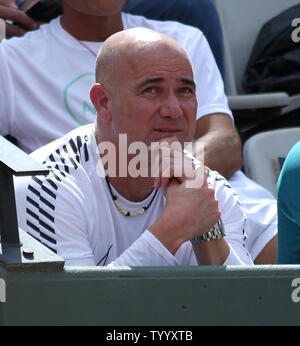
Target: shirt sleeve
{"points": [[147, 250], [233, 219], [209, 83]]}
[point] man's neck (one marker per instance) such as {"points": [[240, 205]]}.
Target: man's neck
{"points": [[133, 189], [85, 27]]}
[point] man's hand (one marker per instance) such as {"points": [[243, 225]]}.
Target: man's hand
{"points": [[189, 212], [19, 24], [191, 207], [169, 162]]}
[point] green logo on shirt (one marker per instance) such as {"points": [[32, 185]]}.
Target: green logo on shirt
{"points": [[87, 112]]}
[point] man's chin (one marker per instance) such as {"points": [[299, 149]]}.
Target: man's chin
{"points": [[168, 136]]}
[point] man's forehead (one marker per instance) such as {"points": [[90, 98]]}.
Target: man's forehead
{"points": [[159, 71], [159, 61], [140, 59], [159, 80]]}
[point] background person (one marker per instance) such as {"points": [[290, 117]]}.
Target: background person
{"points": [[201, 14]]}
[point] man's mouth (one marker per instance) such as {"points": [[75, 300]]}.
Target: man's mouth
{"points": [[168, 130]]}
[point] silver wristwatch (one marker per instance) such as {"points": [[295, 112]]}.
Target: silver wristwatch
{"points": [[216, 232]]}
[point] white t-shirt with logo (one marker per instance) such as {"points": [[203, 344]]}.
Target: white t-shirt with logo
{"points": [[72, 212], [46, 76]]}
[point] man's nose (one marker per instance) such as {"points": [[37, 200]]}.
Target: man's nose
{"points": [[171, 107]]}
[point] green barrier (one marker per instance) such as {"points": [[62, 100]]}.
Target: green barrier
{"points": [[160, 296]]}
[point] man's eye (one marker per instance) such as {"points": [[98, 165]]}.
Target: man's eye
{"points": [[186, 90], [150, 90]]}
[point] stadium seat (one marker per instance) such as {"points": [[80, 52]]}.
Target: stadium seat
{"points": [[264, 154]]}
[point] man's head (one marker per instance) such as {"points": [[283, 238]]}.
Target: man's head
{"points": [[145, 88]]}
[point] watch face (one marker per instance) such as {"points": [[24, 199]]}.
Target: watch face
{"points": [[216, 232]]}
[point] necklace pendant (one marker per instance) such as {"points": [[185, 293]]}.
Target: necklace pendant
{"points": [[120, 208], [137, 212]]}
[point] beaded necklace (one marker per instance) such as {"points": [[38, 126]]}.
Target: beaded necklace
{"points": [[123, 211]]}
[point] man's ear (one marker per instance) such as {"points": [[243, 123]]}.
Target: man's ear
{"points": [[100, 98]]}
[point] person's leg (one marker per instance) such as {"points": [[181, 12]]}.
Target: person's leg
{"points": [[198, 13]]}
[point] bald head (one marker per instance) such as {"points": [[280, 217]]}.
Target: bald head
{"points": [[144, 83], [127, 47]]}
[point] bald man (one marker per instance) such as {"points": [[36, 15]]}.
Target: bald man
{"points": [[145, 97]]}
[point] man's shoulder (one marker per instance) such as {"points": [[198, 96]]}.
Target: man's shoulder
{"points": [[31, 37], [71, 151]]}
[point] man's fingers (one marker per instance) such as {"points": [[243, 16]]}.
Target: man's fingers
{"points": [[171, 183], [8, 3], [18, 18], [169, 161], [200, 178], [14, 30]]}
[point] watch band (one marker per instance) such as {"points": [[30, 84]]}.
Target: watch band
{"points": [[216, 232]]}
